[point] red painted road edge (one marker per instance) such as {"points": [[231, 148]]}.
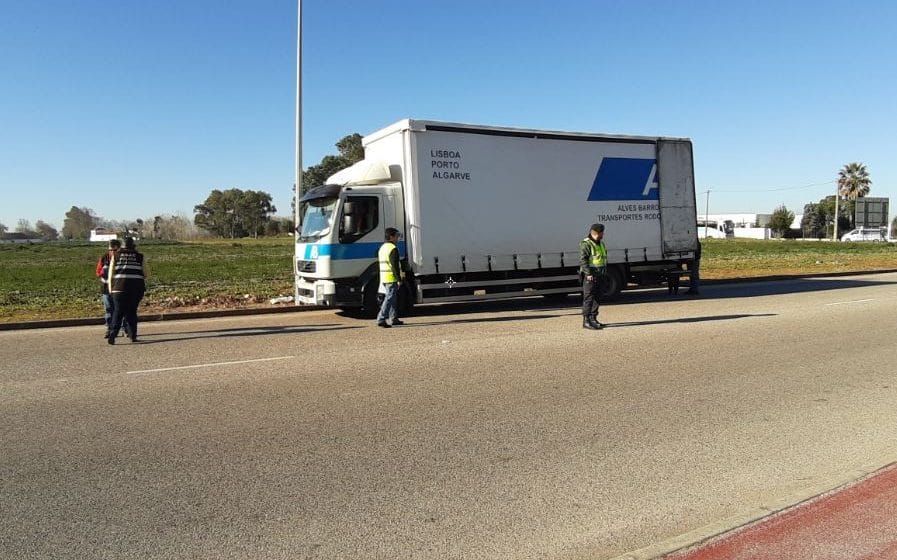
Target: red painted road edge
{"points": [[857, 522]]}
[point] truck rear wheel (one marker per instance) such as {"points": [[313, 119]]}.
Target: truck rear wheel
{"points": [[613, 283], [406, 299]]}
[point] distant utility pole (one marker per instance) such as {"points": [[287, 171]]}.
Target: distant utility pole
{"points": [[298, 187], [835, 229], [707, 212]]}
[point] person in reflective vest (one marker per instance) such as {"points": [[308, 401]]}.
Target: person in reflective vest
{"points": [[592, 269], [391, 278], [127, 284], [102, 272]]}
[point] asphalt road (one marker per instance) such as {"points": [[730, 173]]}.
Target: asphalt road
{"points": [[498, 430]]}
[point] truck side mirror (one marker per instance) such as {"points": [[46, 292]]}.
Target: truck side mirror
{"points": [[350, 226]]}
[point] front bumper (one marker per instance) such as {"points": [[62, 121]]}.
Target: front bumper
{"points": [[315, 292]]}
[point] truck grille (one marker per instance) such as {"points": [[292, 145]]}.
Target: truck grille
{"points": [[306, 266]]}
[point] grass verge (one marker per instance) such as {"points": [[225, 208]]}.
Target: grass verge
{"points": [[56, 280]]}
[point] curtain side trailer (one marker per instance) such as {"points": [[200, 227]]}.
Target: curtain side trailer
{"points": [[491, 212]]}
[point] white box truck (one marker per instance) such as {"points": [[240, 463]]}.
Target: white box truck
{"points": [[490, 212]]}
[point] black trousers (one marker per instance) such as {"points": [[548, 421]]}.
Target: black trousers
{"points": [[591, 292], [125, 310]]}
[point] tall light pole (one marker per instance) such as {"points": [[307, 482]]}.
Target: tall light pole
{"points": [[297, 188], [298, 177]]}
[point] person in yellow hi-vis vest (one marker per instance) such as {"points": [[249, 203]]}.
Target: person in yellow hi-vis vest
{"points": [[592, 268], [391, 277]]}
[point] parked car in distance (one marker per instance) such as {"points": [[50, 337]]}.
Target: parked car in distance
{"points": [[864, 234]]}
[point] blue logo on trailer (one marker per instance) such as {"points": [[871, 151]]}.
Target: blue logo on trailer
{"points": [[625, 179]]}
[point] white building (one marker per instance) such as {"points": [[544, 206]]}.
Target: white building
{"points": [[102, 234]]}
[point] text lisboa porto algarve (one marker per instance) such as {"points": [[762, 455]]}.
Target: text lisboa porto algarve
{"points": [[447, 164]]}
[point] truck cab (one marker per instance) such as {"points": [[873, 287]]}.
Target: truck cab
{"points": [[341, 228]]}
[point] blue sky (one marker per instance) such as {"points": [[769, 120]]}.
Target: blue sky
{"points": [[136, 108]]}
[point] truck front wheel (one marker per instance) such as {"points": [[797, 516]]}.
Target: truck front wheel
{"points": [[370, 303]]}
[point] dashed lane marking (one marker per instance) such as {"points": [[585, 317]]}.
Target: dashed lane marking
{"points": [[210, 365], [849, 302]]}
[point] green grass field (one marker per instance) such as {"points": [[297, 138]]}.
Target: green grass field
{"points": [[56, 280], [745, 258]]}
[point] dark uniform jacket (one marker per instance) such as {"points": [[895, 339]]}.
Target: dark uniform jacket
{"points": [[127, 272], [585, 259]]}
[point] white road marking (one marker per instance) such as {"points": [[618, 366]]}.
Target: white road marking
{"points": [[211, 364], [847, 302]]}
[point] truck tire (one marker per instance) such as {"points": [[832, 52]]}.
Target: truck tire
{"points": [[406, 299], [369, 301], [612, 284]]}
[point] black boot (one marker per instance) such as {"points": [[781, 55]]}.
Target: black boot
{"points": [[595, 324], [588, 324]]}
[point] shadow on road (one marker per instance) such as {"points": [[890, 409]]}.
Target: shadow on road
{"points": [[756, 288], [490, 320], [249, 331], [709, 290], [689, 320]]}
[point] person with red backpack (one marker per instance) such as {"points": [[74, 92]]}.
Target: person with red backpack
{"points": [[127, 285], [103, 276]]}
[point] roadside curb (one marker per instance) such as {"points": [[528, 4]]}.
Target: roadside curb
{"points": [[707, 533], [779, 277], [176, 316]]}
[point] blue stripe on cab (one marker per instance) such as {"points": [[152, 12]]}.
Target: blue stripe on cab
{"points": [[342, 252]]}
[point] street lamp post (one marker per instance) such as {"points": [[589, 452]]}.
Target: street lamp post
{"points": [[835, 228], [298, 176]]}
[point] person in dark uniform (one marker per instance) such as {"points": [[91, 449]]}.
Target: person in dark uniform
{"points": [[592, 269], [127, 285]]}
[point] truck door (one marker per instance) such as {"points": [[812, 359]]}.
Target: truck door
{"points": [[361, 221], [675, 172]]}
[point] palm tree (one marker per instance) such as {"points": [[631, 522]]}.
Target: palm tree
{"points": [[854, 181]]}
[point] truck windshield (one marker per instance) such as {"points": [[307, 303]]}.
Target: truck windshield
{"points": [[317, 217]]}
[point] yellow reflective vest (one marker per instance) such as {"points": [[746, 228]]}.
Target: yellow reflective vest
{"points": [[388, 275], [599, 253]]}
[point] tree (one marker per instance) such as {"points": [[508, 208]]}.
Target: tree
{"points": [[823, 217], [24, 226], [854, 181], [173, 228], [350, 151], [234, 213], [78, 223], [46, 231], [814, 222], [350, 148], [3, 229], [255, 210], [781, 221]]}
